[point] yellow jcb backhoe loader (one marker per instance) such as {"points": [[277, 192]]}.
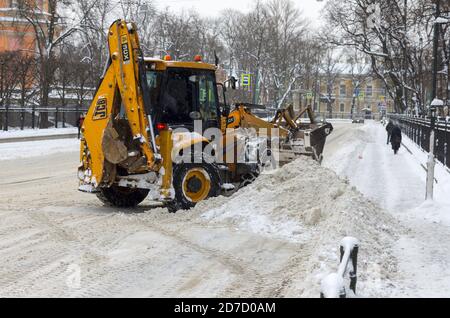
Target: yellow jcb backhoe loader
{"points": [[131, 145], [128, 144]]}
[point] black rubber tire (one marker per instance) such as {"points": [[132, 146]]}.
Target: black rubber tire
{"points": [[248, 179], [179, 172], [122, 197]]}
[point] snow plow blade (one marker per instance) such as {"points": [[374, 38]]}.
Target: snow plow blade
{"points": [[314, 138], [306, 138], [296, 136], [319, 138]]}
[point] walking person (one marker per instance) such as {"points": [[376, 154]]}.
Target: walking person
{"points": [[80, 122], [389, 128], [396, 138]]}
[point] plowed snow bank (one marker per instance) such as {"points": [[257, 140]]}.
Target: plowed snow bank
{"points": [[310, 205]]}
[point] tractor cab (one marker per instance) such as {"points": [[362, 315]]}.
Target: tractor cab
{"points": [[182, 92]]}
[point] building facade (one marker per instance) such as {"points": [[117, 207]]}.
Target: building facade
{"points": [[371, 96], [368, 97], [16, 33]]}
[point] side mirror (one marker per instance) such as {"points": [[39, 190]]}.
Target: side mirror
{"points": [[195, 115]]}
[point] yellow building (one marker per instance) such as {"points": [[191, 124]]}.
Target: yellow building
{"points": [[370, 96]]}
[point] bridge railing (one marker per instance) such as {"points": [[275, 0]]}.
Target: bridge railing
{"points": [[31, 117], [418, 129]]}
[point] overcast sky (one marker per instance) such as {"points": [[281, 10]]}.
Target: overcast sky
{"points": [[310, 8]]}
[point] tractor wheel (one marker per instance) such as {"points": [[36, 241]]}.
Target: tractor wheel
{"points": [[248, 179], [122, 197], [194, 183]]}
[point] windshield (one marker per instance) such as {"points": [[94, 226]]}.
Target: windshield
{"points": [[154, 79]]}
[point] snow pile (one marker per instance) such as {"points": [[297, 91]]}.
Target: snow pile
{"points": [[437, 210], [29, 149], [306, 204], [432, 211]]}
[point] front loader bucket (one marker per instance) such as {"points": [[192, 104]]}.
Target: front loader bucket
{"points": [[309, 140], [318, 138]]}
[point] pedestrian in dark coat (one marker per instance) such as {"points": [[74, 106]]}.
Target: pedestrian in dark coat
{"points": [[396, 138], [80, 122], [389, 128]]}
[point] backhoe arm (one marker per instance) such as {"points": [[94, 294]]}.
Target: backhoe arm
{"points": [[120, 88]]}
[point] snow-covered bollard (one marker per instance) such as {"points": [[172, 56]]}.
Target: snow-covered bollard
{"points": [[332, 286], [349, 260]]}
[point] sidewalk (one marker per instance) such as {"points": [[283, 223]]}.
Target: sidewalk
{"points": [[397, 183], [16, 133], [37, 134]]}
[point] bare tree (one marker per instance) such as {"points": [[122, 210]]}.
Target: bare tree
{"points": [[97, 16], [26, 68], [397, 39], [230, 23], [331, 71], [359, 71], [8, 76], [50, 28], [285, 32], [144, 14], [66, 69]]}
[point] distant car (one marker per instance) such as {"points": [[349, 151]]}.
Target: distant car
{"points": [[358, 120]]}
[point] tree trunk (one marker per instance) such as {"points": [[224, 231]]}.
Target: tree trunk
{"points": [[44, 103], [398, 103], [45, 91]]}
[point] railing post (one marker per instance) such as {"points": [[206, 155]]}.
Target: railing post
{"points": [[431, 162], [446, 144], [22, 119], [353, 273], [6, 118], [56, 118], [332, 286], [33, 114]]}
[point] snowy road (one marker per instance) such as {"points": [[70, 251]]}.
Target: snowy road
{"points": [[397, 183], [50, 232], [264, 241]]}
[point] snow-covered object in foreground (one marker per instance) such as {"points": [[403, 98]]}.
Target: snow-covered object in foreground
{"points": [[332, 286]]}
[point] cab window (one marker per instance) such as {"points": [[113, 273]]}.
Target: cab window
{"points": [[154, 85], [207, 98]]}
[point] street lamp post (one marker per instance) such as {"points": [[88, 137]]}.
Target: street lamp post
{"points": [[405, 53], [2, 88], [435, 104], [437, 27], [431, 161]]}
